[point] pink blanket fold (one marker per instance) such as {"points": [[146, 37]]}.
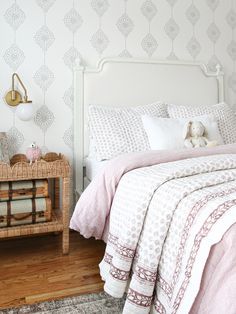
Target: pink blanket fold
{"points": [[93, 208], [218, 285]]}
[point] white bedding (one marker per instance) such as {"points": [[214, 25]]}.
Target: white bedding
{"points": [[93, 167], [157, 248], [165, 211]]}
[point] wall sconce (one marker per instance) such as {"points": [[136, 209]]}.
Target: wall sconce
{"points": [[24, 109]]}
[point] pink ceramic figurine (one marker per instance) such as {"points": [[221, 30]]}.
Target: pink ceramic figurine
{"points": [[33, 153]]}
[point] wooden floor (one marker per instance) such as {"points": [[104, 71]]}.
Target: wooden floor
{"points": [[34, 269]]}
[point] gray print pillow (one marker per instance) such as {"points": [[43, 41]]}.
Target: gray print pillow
{"points": [[116, 131]]}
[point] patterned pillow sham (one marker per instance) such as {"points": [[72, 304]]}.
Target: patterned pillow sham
{"points": [[223, 113], [115, 131]]}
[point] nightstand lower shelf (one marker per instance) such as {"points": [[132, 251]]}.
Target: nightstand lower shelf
{"points": [[55, 225]]}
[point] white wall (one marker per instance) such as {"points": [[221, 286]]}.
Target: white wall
{"points": [[49, 34]]}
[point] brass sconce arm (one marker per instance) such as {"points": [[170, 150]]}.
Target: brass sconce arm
{"points": [[13, 97]]}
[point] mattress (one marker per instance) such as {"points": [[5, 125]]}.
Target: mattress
{"points": [[93, 167]]}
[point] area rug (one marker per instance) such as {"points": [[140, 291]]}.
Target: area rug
{"points": [[99, 303]]}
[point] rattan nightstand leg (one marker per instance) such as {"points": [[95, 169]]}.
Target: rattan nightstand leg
{"points": [[56, 193], [65, 214]]}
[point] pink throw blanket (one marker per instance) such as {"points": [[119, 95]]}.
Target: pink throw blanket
{"points": [[93, 208]]}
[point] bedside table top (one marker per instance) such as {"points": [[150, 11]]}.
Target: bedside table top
{"points": [[51, 165]]}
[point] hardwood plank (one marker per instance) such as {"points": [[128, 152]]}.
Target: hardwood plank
{"points": [[62, 293], [34, 269]]}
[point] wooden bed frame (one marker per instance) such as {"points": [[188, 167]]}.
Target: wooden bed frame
{"points": [[130, 82]]}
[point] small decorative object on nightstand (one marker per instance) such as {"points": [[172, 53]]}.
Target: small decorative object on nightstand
{"points": [[33, 153], [54, 168]]}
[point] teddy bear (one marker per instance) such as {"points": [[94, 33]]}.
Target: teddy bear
{"points": [[195, 135]]}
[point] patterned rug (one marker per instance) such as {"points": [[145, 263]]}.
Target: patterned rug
{"points": [[99, 303]]}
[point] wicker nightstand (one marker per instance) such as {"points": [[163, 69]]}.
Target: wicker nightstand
{"points": [[55, 168]]}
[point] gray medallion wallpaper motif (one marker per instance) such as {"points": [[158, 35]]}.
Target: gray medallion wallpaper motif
{"points": [[41, 40]]}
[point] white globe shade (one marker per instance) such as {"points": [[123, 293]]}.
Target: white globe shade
{"points": [[25, 111]]}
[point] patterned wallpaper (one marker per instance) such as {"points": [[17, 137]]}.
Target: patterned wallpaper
{"points": [[41, 39]]}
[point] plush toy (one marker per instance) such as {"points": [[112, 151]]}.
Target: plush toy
{"points": [[33, 153], [195, 135]]}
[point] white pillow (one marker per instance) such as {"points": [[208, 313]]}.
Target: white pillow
{"points": [[223, 113], [167, 133], [117, 131]]}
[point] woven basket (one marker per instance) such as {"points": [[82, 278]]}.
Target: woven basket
{"points": [[50, 165]]}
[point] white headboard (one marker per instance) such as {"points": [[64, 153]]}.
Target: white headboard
{"points": [[132, 82]]}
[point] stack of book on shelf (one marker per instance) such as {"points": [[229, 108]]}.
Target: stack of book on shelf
{"points": [[24, 202]]}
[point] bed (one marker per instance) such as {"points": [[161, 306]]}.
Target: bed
{"points": [[117, 82], [167, 216]]}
